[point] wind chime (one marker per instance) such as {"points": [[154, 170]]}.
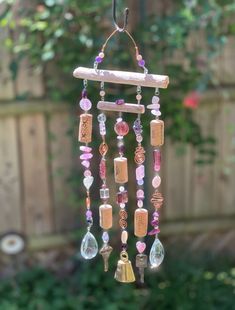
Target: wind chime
{"points": [[89, 247]]}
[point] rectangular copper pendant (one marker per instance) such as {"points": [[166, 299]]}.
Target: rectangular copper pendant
{"points": [[120, 170], [85, 128], [141, 222], [156, 132], [106, 216]]}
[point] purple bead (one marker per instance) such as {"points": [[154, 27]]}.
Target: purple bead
{"points": [[154, 232], [85, 104], [141, 63], [105, 237], [154, 222], [120, 101], [140, 182], [121, 149], [86, 156], [137, 127], [87, 173], [124, 246], [155, 213], [85, 149], [140, 203], [98, 59], [140, 172], [84, 93], [88, 214], [86, 163]]}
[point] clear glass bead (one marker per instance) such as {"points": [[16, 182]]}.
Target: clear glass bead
{"points": [[89, 246], [156, 255]]}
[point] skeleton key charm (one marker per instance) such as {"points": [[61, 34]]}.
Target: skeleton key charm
{"points": [[141, 263]]}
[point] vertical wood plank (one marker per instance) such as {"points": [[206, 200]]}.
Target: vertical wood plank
{"points": [[10, 198], [36, 185], [61, 164]]}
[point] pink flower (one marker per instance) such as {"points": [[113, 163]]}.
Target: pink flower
{"points": [[191, 101]]}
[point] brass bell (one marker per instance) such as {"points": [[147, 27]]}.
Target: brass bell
{"points": [[124, 272]]}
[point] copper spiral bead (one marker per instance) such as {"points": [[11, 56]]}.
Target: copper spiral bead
{"points": [[139, 155], [123, 214]]}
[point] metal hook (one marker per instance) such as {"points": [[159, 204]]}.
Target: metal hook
{"points": [[126, 12]]}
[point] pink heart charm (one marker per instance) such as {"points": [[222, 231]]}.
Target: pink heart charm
{"points": [[141, 246]]}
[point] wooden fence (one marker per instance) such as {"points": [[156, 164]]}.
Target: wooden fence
{"points": [[36, 161]]}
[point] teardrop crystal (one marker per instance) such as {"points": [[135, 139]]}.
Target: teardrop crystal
{"points": [[156, 255], [89, 246]]}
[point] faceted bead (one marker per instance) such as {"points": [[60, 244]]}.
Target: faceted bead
{"points": [[140, 172], [154, 222], [122, 205], [101, 118], [105, 237], [137, 127], [84, 93], [98, 59], [141, 246], [157, 160], [87, 173], [141, 63], [88, 214], [86, 156], [102, 169], [153, 232], [122, 197], [85, 163], [85, 104], [120, 101], [140, 194], [88, 181], [104, 193], [121, 128], [156, 181], [89, 246], [156, 255], [85, 149], [155, 99]]}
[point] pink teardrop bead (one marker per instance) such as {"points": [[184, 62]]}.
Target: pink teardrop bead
{"points": [[157, 160]]}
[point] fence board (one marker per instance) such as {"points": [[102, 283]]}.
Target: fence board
{"points": [[10, 199], [61, 165], [36, 185]]}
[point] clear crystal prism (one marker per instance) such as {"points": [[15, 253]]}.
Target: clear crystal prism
{"points": [[156, 255], [89, 246]]}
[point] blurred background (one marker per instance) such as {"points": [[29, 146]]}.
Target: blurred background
{"points": [[42, 206]]}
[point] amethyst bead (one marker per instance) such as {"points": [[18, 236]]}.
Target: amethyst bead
{"points": [[85, 104], [98, 59], [84, 93], [120, 101], [86, 156], [141, 63]]}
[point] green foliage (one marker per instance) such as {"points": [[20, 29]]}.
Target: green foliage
{"points": [[59, 35], [181, 284]]}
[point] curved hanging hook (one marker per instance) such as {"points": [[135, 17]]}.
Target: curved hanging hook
{"points": [[126, 12]]}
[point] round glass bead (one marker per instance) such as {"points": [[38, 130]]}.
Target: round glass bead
{"points": [[140, 203], [105, 237], [101, 117], [87, 173], [121, 188], [122, 205], [139, 138], [85, 104], [140, 182], [121, 128], [138, 97], [102, 93], [101, 55], [139, 57], [98, 59], [140, 194], [141, 63]]}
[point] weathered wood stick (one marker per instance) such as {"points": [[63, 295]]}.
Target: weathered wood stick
{"points": [[126, 107], [122, 77]]}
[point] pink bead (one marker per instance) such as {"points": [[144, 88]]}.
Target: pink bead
{"points": [[140, 203], [86, 163], [121, 128], [140, 194], [140, 173], [102, 169], [157, 160], [156, 181], [86, 156], [85, 104], [87, 173], [85, 149], [141, 246]]}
